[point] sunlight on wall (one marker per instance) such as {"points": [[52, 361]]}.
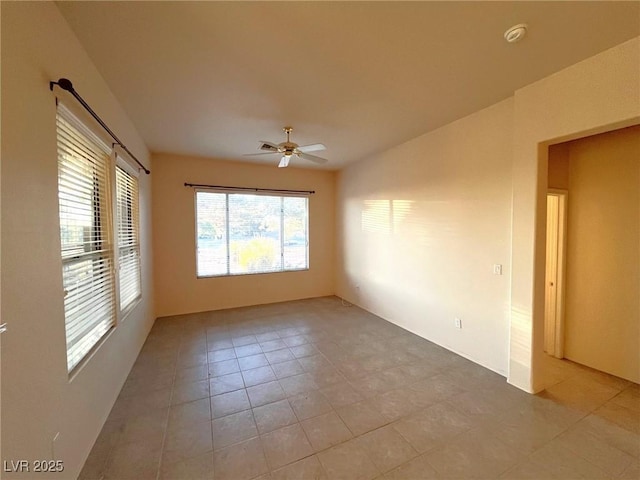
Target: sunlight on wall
{"points": [[521, 359], [377, 216], [521, 334], [384, 216]]}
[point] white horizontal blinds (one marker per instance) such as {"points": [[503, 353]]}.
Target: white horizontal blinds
{"points": [[128, 227], [248, 233], [85, 228]]}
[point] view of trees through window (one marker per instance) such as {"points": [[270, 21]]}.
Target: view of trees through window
{"points": [[248, 233]]}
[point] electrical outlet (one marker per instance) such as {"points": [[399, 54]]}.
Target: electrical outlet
{"points": [[458, 322], [497, 269]]}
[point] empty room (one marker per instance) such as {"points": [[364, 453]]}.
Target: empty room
{"points": [[320, 240]]}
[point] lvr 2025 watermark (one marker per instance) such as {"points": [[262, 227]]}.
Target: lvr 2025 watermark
{"points": [[34, 466]]}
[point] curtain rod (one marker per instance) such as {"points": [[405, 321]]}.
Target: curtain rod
{"points": [[247, 189], [66, 84]]}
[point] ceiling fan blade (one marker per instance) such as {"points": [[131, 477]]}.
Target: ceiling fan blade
{"points": [[254, 154], [284, 161], [312, 158], [312, 148], [264, 145]]}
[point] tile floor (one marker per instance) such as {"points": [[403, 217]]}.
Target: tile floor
{"points": [[314, 389]]}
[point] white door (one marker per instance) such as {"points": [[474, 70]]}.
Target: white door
{"points": [[554, 273]]}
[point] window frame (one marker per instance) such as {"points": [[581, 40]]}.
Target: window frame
{"points": [[255, 193]]}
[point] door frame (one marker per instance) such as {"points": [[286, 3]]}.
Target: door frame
{"points": [[556, 335]]}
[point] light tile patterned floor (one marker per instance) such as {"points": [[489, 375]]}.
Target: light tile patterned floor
{"points": [[314, 389]]}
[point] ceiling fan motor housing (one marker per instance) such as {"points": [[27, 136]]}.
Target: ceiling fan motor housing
{"points": [[288, 147]]}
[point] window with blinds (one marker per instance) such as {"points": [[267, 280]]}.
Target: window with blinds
{"points": [[85, 236], [93, 190], [247, 233], [128, 238]]}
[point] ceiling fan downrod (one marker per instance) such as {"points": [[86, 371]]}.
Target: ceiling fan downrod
{"points": [[288, 130]]}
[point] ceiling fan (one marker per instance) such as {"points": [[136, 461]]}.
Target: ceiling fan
{"points": [[288, 149]]}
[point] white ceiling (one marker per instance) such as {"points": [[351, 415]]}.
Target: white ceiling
{"points": [[213, 78]]}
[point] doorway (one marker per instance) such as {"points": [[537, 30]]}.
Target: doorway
{"points": [[555, 272], [591, 313]]}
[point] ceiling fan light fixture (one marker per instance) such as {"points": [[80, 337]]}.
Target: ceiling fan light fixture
{"points": [[288, 149], [516, 33]]}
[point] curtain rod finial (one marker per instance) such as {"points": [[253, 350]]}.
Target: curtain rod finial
{"points": [[65, 84]]}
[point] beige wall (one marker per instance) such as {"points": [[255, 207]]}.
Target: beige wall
{"points": [[602, 323], [38, 399], [420, 227], [177, 288], [599, 94]]}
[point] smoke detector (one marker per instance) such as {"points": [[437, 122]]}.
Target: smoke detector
{"points": [[516, 33]]}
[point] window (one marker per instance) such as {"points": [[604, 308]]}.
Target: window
{"points": [[240, 233], [85, 236], [87, 181], [128, 237]]}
